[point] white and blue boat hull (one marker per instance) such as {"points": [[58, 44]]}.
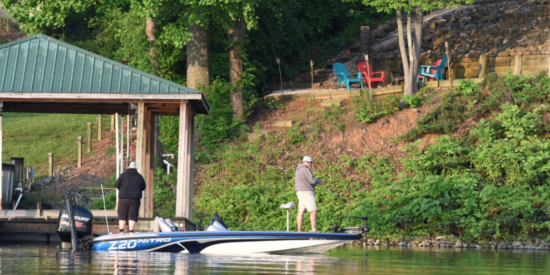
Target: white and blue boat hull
{"points": [[227, 242]]}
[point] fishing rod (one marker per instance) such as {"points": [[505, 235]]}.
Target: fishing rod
{"points": [[352, 203]]}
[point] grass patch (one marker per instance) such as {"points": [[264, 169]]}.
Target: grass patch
{"points": [[33, 136]]}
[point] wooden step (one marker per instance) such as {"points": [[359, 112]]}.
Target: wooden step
{"points": [[284, 123], [256, 137], [330, 102], [305, 85]]}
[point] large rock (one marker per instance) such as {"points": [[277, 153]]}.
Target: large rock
{"points": [[284, 123], [255, 137], [330, 102], [266, 132], [301, 116]]}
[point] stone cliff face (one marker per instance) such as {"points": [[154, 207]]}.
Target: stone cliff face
{"points": [[494, 28]]}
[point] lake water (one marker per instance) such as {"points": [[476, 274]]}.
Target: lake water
{"points": [[25, 259]]}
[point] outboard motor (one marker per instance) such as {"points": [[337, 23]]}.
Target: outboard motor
{"points": [[83, 222]]}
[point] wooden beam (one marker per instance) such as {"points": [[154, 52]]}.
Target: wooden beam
{"points": [[166, 113], [184, 190], [1, 174], [25, 107], [149, 166], [170, 110], [164, 105], [482, 65], [50, 213], [76, 97], [99, 125], [140, 148], [517, 65], [190, 157]]}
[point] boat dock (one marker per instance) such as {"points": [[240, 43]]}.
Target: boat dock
{"points": [[39, 226]]}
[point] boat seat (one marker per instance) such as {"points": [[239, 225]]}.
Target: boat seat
{"points": [[288, 205], [164, 227], [216, 226], [172, 225]]}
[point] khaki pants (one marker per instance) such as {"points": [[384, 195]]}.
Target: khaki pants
{"points": [[306, 201]]}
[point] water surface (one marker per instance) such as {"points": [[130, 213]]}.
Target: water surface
{"points": [[26, 259]]}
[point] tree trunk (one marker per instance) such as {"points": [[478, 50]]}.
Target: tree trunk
{"points": [[150, 31], [417, 45], [236, 39], [198, 57], [403, 49], [412, 60]]}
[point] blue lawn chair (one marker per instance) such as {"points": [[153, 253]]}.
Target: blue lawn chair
{"points": [[343, 76], [426, 70]]}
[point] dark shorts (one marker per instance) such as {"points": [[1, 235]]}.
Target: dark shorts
{"points": [[128, 209]]}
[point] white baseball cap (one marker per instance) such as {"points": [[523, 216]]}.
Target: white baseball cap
{"points": [[133, 165], [307, 159]]}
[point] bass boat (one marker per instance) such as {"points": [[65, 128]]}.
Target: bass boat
{"points": [[216, 239]]}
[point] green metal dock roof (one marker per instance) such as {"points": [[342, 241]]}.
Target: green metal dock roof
{"points": [[42, 67]]}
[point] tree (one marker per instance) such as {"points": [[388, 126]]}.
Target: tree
{"points": [[37, 16], [235, 15], [198, 51], [236, 39], [411, 48], [149, 8]]}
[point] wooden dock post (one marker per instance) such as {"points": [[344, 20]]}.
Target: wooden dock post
{"points": [[448, 63], [89, 141], [50, 161], [184, 189], [517, 65], [1, 176], [79, 151], [548, 63], [99, 124], [311, 63], [482, 65], [368, 75]]}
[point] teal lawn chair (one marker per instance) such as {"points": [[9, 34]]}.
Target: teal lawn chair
{"points": [[435, 72], [343, 76]]}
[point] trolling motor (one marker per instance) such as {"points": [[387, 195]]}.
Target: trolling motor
{"points": [[354, 229]]}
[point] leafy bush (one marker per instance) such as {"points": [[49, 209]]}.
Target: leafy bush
{"points": [[468, 87], [369, 110], [110, 201], [294, 135], [413, 100]]}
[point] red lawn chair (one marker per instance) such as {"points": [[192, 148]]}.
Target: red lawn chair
{"points": [[362, 67]]}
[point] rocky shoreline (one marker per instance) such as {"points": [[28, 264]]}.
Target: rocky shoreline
{"points": [[454, 242]]}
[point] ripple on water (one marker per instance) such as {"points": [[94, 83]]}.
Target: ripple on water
{"points": [[20, 259]]}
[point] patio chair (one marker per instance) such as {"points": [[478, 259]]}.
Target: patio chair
{"points": [[367, 69], [397, 78], [433, 71], [344, 77]]}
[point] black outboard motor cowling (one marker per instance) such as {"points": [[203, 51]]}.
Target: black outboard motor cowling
{"points": [[83, 221]]}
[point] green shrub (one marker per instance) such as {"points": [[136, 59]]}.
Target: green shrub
{"points": [[413, 100], [110, 201], [294, 135], [368, 110]]}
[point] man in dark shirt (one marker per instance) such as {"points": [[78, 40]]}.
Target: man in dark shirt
{"points": [[130, 186]]}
